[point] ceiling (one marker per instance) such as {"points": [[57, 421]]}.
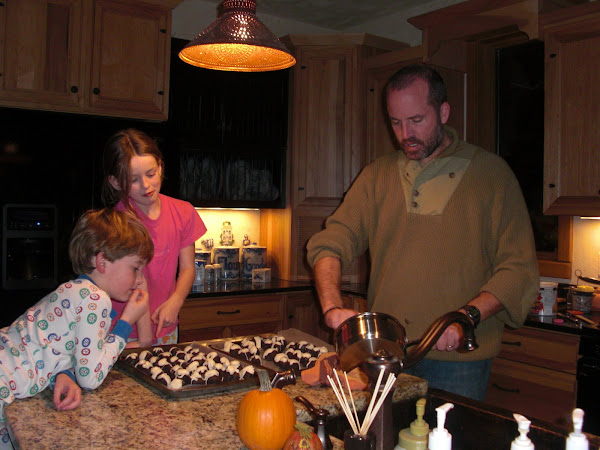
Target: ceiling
{"points": [[387, 18], [340, 15], [335, 14]]}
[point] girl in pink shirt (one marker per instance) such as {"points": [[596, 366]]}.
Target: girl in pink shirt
{"points": [[133, 168]]}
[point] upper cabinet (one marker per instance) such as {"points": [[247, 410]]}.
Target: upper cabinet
{"points": [[96, 57], [40, 54], [327, 134], [572, 137]]}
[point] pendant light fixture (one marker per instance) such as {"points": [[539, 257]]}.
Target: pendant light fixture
{"points": [[238, 41]]}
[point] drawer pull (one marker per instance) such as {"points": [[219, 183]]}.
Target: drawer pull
{"points": [[516, 343], [222, 313], [500, 388]]}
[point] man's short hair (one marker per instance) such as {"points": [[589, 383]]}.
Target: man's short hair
{"points": [[115, 233], [406, 76]]}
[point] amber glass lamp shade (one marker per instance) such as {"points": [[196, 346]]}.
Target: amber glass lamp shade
{"points": [[238, 41]]}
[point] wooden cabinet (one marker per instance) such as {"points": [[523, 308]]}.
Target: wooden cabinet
{"points": [[353, 302], [303, 312], [534, 374], [327, 132], [220, 317], [572, 166], [40, 54], [130, 60], [96, 57]]}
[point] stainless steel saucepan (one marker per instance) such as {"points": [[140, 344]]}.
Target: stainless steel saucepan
{"points": [[363, 335]]}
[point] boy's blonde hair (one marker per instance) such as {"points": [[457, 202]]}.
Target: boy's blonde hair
{"points": [[115, 233]]}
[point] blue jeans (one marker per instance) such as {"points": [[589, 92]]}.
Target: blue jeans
{"points": [[468, 379]]}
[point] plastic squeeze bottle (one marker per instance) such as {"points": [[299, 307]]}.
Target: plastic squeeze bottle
{"points": [[416, 436], [522, 441], [577, 440], [439, 438]]}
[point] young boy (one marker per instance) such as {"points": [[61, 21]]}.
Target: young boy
{"points": [[64, 340]]}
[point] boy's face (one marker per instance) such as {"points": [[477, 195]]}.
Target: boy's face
{"points": [[125, 275]]}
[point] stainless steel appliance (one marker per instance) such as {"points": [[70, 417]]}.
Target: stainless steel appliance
{"points": [[29, 246]]}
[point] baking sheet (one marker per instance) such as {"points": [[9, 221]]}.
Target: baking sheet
{"points": [[290, 335], [189, 391]]}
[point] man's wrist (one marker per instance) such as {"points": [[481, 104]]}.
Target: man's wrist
{"points": [[331, 308], [473, 313]]}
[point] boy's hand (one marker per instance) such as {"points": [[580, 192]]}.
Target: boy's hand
{"points": [[67, 394], [136, 307]]}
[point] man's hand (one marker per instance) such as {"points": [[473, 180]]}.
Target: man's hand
{"points": [[335, 317], [450, 339], [67, 394], [136, 306]]}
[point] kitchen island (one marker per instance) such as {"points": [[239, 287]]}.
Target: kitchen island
{"points": [[124, 413]]}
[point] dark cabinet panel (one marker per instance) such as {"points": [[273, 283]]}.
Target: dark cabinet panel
{"points": [[231, 130]]}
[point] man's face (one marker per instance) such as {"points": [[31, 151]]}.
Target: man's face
{"points": [[418, 126]]}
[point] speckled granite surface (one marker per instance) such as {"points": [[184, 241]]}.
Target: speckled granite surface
{"points": [[124, 413]]}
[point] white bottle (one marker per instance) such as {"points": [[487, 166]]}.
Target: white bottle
{"points": [[577, 440], [439, 438], [522, 441]]}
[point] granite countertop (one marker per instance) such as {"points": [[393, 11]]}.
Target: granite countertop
{"points": [[124, 413]]}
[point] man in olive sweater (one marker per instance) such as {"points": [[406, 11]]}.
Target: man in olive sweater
{"points": [[447, 229]]}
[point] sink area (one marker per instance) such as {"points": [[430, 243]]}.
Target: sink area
{"points": [[473, 425]]}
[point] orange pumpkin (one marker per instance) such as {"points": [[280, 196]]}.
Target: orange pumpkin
{"points": [[303, 439], [265, 417]]}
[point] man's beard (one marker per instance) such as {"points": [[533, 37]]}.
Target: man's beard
{"points": [[426, 148]]}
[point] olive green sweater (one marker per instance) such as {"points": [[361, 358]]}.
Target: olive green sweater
{"points": [[426, 261]]}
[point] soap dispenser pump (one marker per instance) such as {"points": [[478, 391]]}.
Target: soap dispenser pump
{"points": [[522, 442], [577, 440], [415, 437], [439, 438]]}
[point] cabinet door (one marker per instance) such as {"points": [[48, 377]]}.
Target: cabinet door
{"points": [[130, 63], [572, 137], [325, 104], [40, 44], [303, 312]]}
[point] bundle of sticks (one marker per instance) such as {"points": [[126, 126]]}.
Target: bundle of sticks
{"points": [[374, 404]]}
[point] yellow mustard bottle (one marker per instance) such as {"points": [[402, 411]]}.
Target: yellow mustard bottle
{"points": [[416, 436]]}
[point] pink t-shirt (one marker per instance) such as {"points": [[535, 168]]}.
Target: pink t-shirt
{"points": [[178, 226]]}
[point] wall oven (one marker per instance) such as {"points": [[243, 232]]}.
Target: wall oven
{"points": [[29, 247]]}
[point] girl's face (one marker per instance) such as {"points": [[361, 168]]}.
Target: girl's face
{"points": [[146, 179]]}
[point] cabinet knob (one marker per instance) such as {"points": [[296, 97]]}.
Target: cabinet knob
{"points": [[551, 185], [74, 89], [291, 316], [300, 188], [552, 55], [163, 30], [96, 91], [161, 92], [303, 67]]}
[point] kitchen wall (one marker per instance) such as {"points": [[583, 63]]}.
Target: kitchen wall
{"points": [[586, 249], [243, 221]]}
